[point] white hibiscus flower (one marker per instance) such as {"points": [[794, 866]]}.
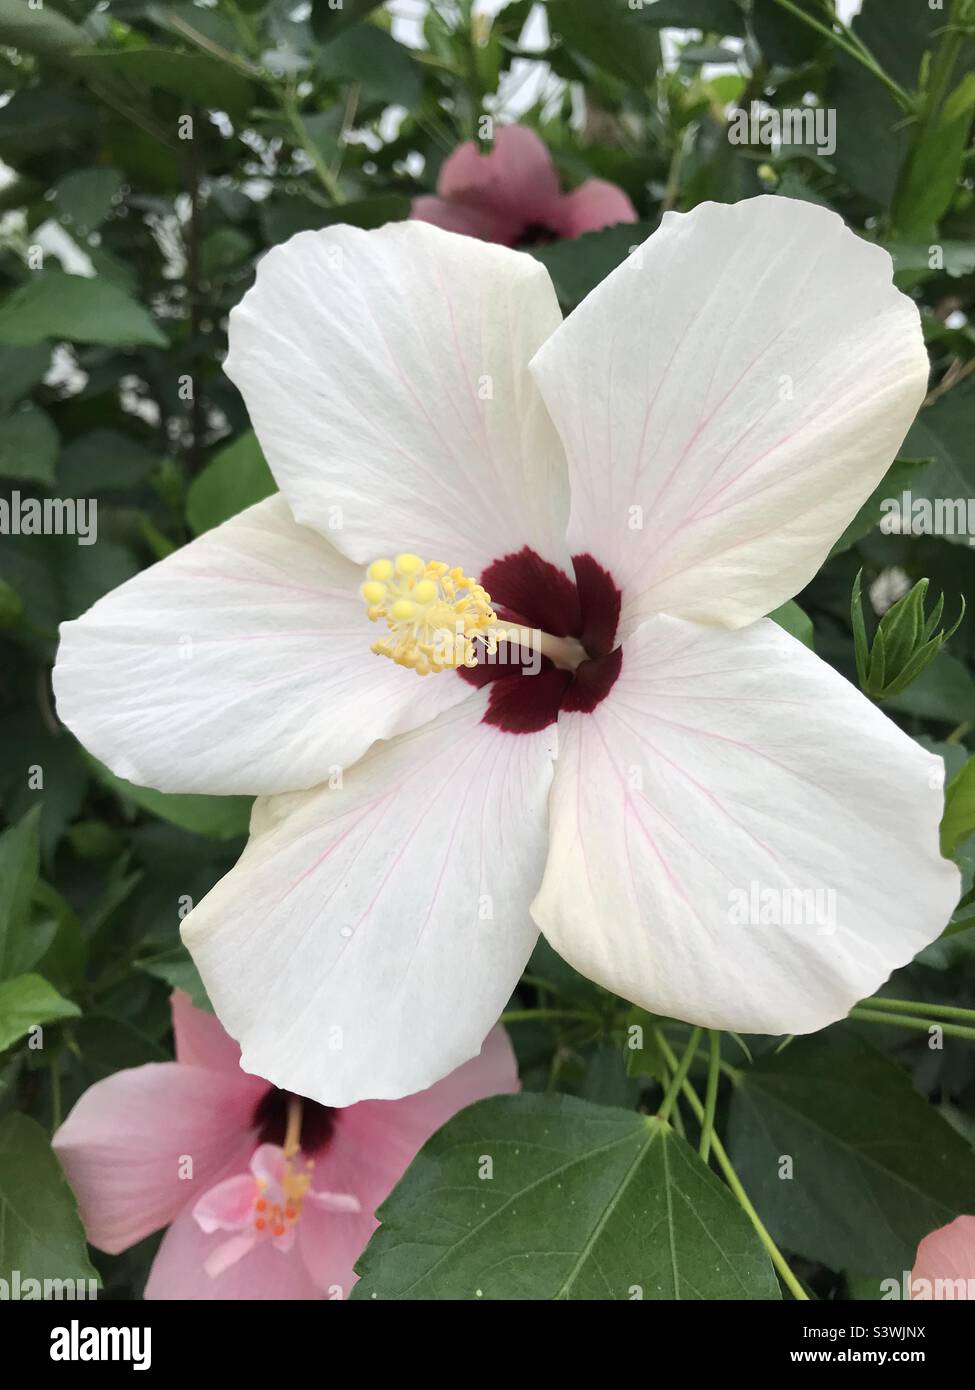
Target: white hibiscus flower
{"points": [[642, 484]]}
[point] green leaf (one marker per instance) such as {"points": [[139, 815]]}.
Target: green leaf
{"points": [[28, 445], [584, 1202], [176, 969], [104, 460], [874, 1167], [281, 217], [41, 1234], [108, 1045], [383, 68], [610, 34], [943, 432], [85, 197], [578, 265], [713, 16], [237, 478], [931, 175], [958, 821], [221, 817], [796, 622], [38, 29], [19, 866], [945, 691], [27, 1000], [330, 17], [86, 310], [223, 250], [21, 369], [195, 77]]}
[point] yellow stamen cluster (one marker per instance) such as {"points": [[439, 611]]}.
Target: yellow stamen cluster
{"points": [[435, 614]]}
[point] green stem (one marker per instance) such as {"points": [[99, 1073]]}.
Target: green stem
{"points": [[680, 1074], [856, 49], [734, 1182], [711, 1093], [292, 114], [913, 1006], [922, 1025]]}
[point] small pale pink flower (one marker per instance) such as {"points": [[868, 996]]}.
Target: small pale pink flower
{"points": [[266, 1195], [944, 1267], [511, 194]]}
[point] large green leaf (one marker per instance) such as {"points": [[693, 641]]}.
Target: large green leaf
{"points": [[237, 478], [27, 1000], [874, 1167], [86, 310], [583, 1202], [41, 1234]]}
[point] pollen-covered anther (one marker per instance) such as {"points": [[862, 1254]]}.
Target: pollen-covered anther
{"points": [[436, 615]]}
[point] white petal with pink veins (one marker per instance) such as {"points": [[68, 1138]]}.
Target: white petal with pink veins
{"points": [[728, 397], [738, 837], [241, 663], [371, 934], [386, 376]]}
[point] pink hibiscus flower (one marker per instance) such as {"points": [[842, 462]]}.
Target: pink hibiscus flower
{"points": [[944, 1267], [266, 1195], [511, 195]]}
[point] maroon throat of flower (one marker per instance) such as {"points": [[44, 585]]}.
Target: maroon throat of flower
{"points": [[543, 642]]}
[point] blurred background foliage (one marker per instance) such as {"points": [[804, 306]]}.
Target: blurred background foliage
{"points": [[123, 245]]}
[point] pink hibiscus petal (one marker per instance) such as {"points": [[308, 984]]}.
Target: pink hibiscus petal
{"points": [[468, 221], [515, 180], [593, 205], [945, 1264], [200, 1039], [227, 1207], [262, 1272], [144, 1144]]}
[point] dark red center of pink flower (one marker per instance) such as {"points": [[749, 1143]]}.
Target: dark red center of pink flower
{"points": [[528, 591], [271, 1121]]}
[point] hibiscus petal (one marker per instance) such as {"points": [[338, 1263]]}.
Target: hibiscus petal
{"points": [[728, 398], [515, 179], [944, 1267], [726, 781], [228, 1206], [455, 217], [244, 1271], [241, 663], [385, 373], [200, 1039], [371, 935], [593, 205], [126, 1144]]}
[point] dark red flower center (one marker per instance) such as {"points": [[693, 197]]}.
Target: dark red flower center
{"points": [[271, 1121], [527, 695]]}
